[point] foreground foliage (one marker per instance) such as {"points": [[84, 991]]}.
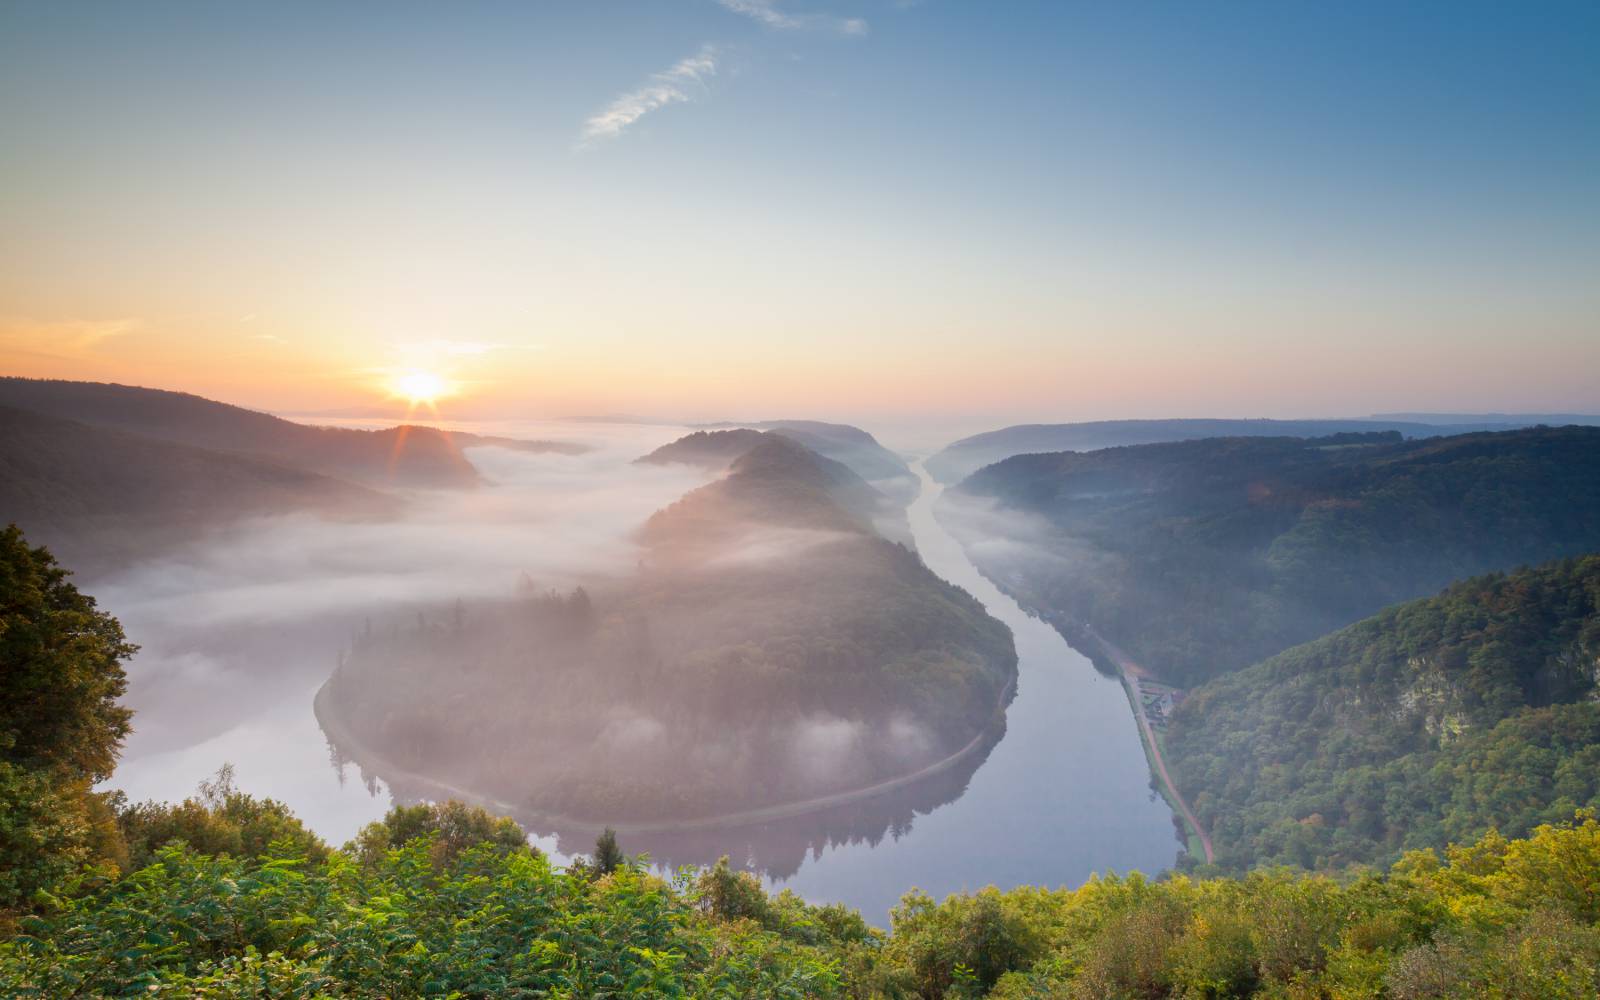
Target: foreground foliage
{"points": [[60, 724], [462, 909]]}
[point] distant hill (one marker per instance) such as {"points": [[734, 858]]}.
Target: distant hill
{"points": [[403, 456], [1429, 723], [770, 651], [99, 497], [1205, 556], [843, 443], [464, 439], [962, 458], [1488, 420], [794, 470], [713, 451]]}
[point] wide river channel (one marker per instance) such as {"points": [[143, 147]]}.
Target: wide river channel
{"points": [[1061, 793]]}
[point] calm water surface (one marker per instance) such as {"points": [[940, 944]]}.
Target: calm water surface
{"points": [[1061, 793]]}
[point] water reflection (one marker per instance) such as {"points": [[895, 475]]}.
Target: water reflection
{"points": [[776, 849]]}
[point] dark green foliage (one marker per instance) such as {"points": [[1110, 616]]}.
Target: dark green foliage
{"points": [[1206, 556], [1497, 918], [607, 855], [60, 724], [1428, 723]]}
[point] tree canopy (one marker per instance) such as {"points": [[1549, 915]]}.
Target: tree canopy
{"points": [[60, 723]]}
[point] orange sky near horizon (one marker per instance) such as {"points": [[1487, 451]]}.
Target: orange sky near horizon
{"points": [[256, 362], [1009, 213]]}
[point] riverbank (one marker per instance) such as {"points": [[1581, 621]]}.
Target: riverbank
{"points": [[1132, 675], [348, 744]]}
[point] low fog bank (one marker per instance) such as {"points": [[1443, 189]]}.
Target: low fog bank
{"points": [[243, 627], [767, 651]]}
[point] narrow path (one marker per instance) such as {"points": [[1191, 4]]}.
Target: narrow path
{"points": [[1131, 673]]}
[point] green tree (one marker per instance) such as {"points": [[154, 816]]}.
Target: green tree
{"points": [[60, 725], [452, 826], [221, 820], [608, 857]]}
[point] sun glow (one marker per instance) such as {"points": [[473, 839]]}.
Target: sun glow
{"points": [[419, 387]]}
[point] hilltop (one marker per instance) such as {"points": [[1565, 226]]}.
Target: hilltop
{"points": [[406, 455], [962, 458], [843, 443], [1205, 556], [101, 497]]}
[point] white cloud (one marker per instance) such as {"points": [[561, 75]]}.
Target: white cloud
{"points": [[668, 87], [766, 12]]}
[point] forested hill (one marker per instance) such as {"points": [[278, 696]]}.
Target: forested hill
{"points": [[713, 451], [405, 456], [770, 650], [962, 458], [101, 497], [1430, 723], [1205, 556], [772, 476], [842, 443]]}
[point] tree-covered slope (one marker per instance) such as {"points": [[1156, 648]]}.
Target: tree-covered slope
{"points": [[842, 443], [1428, 723], [960, 459], [1205, 556], [404, 456], [102, 497]]}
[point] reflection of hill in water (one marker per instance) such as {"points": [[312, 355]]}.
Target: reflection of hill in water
{"points": [[775, 848]]}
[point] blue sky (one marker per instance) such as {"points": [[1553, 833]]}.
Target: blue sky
{"points": [[1038, 211]]}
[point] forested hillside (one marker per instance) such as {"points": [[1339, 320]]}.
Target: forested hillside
{"points": [[1428, 723], [1205, 556], [960, 459], [102, 497], [407, 455], [770, 649], [842, 443]]}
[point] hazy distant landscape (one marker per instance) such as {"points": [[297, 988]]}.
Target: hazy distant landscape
{"points": [[799, 500]]}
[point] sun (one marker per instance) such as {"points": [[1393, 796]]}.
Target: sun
{"points": [[419, 387]]}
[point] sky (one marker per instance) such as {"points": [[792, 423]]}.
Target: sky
{"points": [[876, 210]]}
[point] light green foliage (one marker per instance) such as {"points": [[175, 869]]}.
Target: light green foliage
{"points": [[452, 826], [221, 820], [1496, 918], [483, 921]]}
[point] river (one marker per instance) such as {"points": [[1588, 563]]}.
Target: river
{"points": [[1060, 793]]}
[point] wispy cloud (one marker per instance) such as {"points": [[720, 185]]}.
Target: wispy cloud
{"points": [[672, 86], [768, 13], [62, 339]]}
